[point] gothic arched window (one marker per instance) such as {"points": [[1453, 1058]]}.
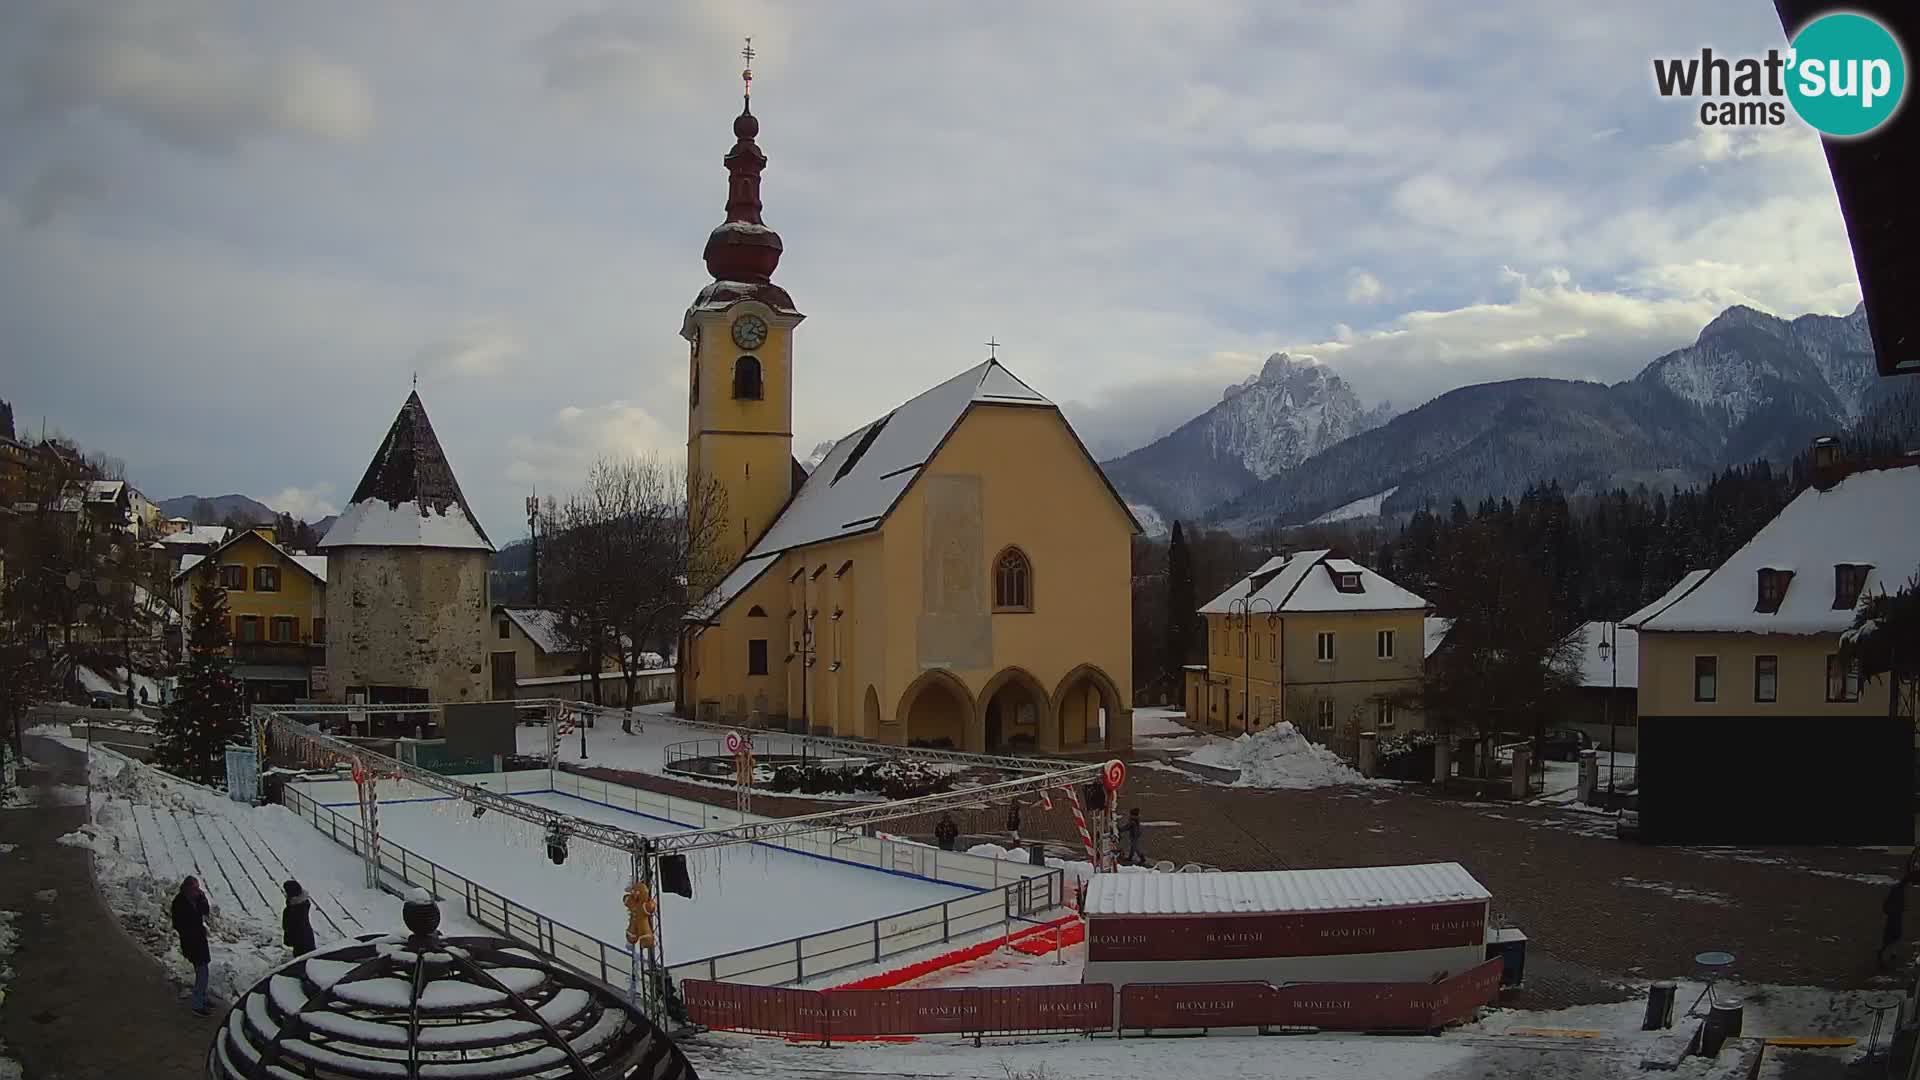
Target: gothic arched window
{"points": [[1012, 581], [746, 379]]}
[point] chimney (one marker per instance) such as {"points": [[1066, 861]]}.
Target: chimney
{"points": [[1826, 461]]}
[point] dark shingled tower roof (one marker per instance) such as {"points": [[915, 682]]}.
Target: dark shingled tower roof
{"points": [[410, 467]]}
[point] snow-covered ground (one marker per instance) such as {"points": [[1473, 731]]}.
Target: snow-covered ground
{"points": [[1280, 757], [1166, 729], [744, 896], [150, 830], [146, 689]]}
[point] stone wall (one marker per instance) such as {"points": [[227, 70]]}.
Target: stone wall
{"points": [[407, 617]]}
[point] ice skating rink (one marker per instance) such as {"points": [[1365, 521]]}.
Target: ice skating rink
{"points": [[744, 895]]}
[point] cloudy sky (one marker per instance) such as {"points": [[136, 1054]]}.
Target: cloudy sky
{"points": [[231, 233]]}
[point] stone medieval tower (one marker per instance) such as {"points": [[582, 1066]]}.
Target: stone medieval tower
{"points": [[407, 598]]}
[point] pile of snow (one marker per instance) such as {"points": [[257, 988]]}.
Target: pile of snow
{"points": [[1279, 757]]}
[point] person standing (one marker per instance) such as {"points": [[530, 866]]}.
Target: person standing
{"points": [[1013, 823], [946, 832], [296, 922], [190, 911], [1131, 830]]}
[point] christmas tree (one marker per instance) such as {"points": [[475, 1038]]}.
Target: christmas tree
{"points": [[207, 712]]}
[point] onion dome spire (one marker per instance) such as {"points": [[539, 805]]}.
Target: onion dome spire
{"points": [[743, 248]]}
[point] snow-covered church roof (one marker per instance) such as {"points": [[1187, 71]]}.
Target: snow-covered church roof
{"points": [[408, 497], [1306, 581], [1871, 518], [860, 480]]}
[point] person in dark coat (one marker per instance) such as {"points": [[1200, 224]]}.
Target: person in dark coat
{"points": [[946, 832], [1013, 823], [1131, 830], [190, 911], [296, 922]]}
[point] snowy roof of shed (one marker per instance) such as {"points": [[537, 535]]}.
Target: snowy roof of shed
{"points": [[857, 484], [409, 496], [1598, 672], [1869, 518], [197, 534], [104, 490], [542, 627], [1267, 891], [1289, 583]]}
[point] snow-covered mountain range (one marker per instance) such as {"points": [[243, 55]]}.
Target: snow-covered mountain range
{"points": [[1294, 444], [1279, 417]]}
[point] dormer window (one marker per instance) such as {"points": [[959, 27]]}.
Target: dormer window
{"points": [[1773, 589], [1849, 579], [1349, 582]]}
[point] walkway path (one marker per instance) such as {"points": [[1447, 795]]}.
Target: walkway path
{"points": [[86, 1001]]}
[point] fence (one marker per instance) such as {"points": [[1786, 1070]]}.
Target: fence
{"points": [[765, 745], [966, 1010], [1005, 891], [1356, 1006]]}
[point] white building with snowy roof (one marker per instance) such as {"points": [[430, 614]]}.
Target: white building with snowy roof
{"points": [[407, 592], [1752, 727], [957, 571], [1316, 640]]}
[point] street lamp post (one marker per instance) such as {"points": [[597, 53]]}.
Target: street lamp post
{"points": [[1244, 609], [1610, 652]]}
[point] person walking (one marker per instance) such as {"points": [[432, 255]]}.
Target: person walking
{"points": [[946, 832], [190, 911], [1131, 830], [296, 922], [1013, 823]]}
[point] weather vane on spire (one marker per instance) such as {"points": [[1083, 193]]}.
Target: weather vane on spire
{"points": [[746, 73]]}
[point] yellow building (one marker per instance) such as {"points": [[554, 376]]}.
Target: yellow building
{"points": [[1313, 639], [527, 643], [276, 610], [1751, 727], [956, 572]]}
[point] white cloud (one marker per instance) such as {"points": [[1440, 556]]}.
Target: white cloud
{"points": [[557, 457], [483, 349], [306, 504], [1364, 288]]}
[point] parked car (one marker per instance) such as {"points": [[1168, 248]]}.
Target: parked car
{"points": [[1564, 744]]}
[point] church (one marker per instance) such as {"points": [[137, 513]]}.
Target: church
{"points": [[956, 573]]}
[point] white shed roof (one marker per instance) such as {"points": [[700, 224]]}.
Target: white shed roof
{"points": [[1268, 891], [1300, 582], [1870, 518]]}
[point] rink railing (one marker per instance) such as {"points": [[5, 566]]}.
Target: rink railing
{"points": [[1006, 892]]}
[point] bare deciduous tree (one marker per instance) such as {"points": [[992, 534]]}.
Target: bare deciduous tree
{"points": [[620, 554]]}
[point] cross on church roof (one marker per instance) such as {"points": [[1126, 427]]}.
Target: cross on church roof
{"points": [[746, 74], [993, 349]]}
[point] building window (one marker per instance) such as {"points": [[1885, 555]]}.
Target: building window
{"points": [[1706, 678], [1323, 715], [283, 628], [1256, 646], [319, 631], [1273, 646], [1848, 580], [1349, 582], [1382, 713], [233, 578], [1323, 646], [1012, 581], [746, 379], [266, 579], [1383, 644], [248, 628], [1259, 708], [757, 656], [1773, 590], [756, 612], [505, 632], [1843, 680], [1766, 678]]}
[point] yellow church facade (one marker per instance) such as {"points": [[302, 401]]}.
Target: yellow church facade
{"points": [[955, 573]]}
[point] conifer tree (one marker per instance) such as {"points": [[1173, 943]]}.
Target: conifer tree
{"points": [[1181, 603], [207, 712]]}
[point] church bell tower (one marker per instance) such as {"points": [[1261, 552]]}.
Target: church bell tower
{"points": [[739, 331]]}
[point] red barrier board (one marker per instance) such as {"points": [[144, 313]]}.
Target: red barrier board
{"points": [[1334, 1006], [852, 1013], [726, 1006], [1307, 933]]}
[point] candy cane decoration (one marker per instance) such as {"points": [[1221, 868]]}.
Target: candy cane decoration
{"points": [[1080, 822]]}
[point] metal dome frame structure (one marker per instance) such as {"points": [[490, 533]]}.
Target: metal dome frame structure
{"points": [[413, 1007]]}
